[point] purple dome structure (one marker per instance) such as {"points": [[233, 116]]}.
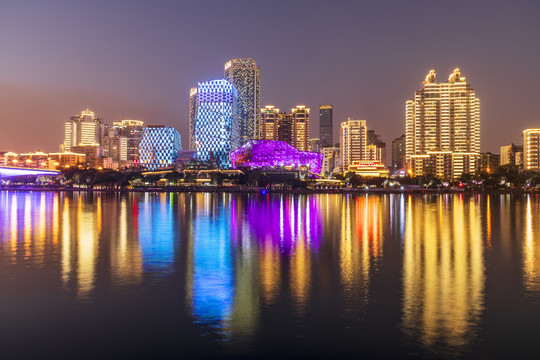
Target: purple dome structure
{"points": [[267, 154]]}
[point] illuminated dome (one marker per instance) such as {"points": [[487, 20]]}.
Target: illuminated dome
{"points": [[268, 154]]}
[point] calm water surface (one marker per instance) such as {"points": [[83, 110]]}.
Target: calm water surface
{"points": [[164, 275]]}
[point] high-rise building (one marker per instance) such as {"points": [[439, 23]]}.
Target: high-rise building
{"points": [[217, 131], [245, 76], [511, 155], [326, 113], [292, 128], [124, 139], [300, 119], [159, 146], [443, 119], [531, 149], [398, 153], [192, 116], [270, 117], [353, 142], [84, 129]]}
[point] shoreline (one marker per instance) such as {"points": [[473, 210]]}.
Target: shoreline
{"points": [[259, 190]]}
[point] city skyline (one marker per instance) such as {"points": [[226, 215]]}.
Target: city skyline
{"points": [[124, 73]]}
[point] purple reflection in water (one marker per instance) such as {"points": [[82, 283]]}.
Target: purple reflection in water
{"points": [[284, 221]]}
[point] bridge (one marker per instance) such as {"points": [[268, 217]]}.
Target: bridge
{"points": [[8, 171]]}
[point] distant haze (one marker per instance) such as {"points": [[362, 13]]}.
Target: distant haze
{"points": [[138, 60]]}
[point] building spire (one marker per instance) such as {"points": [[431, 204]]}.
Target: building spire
{"points": [[430, 78], [456, 76]]}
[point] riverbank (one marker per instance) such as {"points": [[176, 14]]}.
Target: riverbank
{"points": [[260, 190]]}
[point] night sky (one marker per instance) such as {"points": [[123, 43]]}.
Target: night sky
{"points": [[138, 59]]}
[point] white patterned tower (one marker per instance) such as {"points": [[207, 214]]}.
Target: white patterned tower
{"points": [[159, 146], [217, 130]]}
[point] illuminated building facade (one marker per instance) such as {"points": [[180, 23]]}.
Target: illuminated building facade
{"points": [[489, 162], [353, 141], [292, 128], [326, 115], [270, 121], [368, 168], [192, 117], [34, 160], [245, 76], [67, 159], [267, 154], [217, 131], [314, 144], [512, 155], [531, 149], [124, 139], [84, 129], [442, 119], [398, 153], [300, 119], [330, 160], [92, 152], [159, 146], [376, 147]]}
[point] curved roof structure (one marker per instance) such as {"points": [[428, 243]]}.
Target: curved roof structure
{"points": [[261, 154]]}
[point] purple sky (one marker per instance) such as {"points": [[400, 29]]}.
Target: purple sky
{"points": [[138, 59]]}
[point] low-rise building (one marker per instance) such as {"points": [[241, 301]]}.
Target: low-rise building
{"points": [[369, 168]]}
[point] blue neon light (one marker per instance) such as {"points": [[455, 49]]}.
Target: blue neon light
{"points": [[8, 171]]}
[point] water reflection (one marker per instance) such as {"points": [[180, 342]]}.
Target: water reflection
{"points": [[213, 278], [531, 247], [156, 233], [361, 245], [232, 264], [443, 270]]}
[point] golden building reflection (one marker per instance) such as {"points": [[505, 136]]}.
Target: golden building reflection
{"points": [[531, 246], [361, 246], [300, 261], [125, 253], [443, 270]]}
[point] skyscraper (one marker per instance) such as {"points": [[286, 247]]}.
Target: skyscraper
{"points": [[300, 119], [192, 117], [245, 75], [398, 153], [270, 117], [443, 128], [531, 149], [353, 142], [84, 129], [217, 130], [159, 146], [326, 113]]}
